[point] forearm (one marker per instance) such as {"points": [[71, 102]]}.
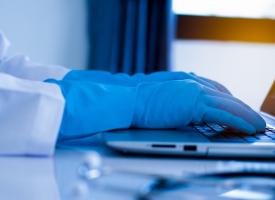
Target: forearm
{"points": [[93, 107]]}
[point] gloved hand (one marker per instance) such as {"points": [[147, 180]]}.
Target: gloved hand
{"points": [[93, 107], [173, 104], [125, 79]]}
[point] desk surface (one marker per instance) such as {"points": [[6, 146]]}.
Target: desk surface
{"points": [[57, 178]]}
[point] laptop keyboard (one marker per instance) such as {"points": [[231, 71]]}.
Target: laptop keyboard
{"points": [[218, 133]]}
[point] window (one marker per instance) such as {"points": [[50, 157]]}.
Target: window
{"points": [[226, 8], [233, 20]]}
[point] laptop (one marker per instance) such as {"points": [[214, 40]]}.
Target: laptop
{"points": [[210, 140]]}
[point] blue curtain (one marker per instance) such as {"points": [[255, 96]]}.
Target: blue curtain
{"points": [[130, 35]]}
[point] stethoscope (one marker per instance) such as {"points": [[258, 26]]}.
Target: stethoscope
{"points": [[92, 169]]}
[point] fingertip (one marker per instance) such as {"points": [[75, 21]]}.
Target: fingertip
{"points": [[249, 129], [259, 122], [261, 125], [246, 127]]}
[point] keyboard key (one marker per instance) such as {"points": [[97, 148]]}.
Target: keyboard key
{"points": [[263, 137], [209, 134], [208, 129], [270, 129], [216, 127], [205, 130], [270, 134]]}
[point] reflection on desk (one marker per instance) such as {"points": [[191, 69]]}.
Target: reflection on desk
{"points": [[27, 178], [57, 178]]}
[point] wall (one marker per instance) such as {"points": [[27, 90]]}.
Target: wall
{"points": [[48, 31], [247, 69]]}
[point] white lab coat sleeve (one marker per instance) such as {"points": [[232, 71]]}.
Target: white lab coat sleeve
{"points": [[30, 116], [22, 67], [4, 45]]}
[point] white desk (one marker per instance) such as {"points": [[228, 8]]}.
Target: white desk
{"points": [[56, 178]]}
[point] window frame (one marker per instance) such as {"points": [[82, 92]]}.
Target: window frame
{"points": [[225, 29]]}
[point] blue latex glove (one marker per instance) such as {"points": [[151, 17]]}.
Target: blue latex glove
{"points": [[92, 107], [125, 79], [174, 104]]}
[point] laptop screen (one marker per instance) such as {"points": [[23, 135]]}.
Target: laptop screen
{"points": [[269, 103]]}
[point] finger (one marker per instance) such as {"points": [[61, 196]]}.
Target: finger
{"points": [[212, 92], [260, 121], [203, 82], [221, 117], [218, 93], [217, 85], [236, 109]]}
